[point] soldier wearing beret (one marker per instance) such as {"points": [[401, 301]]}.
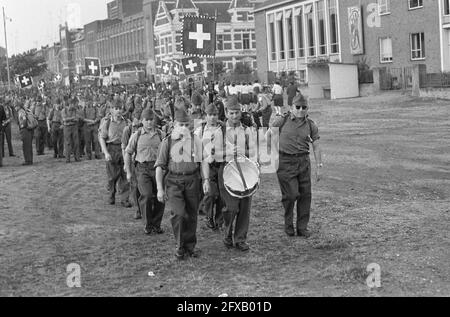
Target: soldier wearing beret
{"points": [[296, 132], [180, 155], [71, 138]]}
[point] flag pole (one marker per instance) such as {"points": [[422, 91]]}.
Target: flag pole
{"points": [[6, 48], [215, 46]]}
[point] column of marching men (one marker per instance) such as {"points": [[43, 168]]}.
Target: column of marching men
{"points": [[139, 132]]}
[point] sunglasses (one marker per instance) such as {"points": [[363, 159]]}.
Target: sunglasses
{"points": [[301, 107]]}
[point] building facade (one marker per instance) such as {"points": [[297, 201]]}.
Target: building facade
{"points": [[377, 33]]}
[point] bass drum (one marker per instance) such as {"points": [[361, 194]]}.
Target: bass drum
{"points": [[241, 177]]}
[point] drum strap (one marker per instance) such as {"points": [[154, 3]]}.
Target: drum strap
{"points": [[239, 165]]}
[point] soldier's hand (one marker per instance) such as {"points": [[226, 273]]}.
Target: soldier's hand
{"points": [[108, 157], [318, 174], [128, 177], [160, 196], [206, 188]]}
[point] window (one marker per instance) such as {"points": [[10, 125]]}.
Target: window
{"points": [[384, 7], [310, 30], [272, 38], [282, 53], [219, 42], [322, 31], [415, 4], [386, 50], [446, 7], [417, 46], [290, 34], [246, 41], [300, 32], [334, 36]]}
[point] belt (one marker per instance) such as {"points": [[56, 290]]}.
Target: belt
{"points": [[294, 155], [184, 173], [216, 164], [114, 144], [147, 163]]}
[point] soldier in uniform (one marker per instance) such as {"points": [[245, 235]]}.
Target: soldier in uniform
{"points": [[91, 119], [71, 138], [144, 144], [296, 132], [55, 126], [210, 132], [236, 209], [179, 155], [81, 125], [25, 133], [2, 126], [41, 110], [110, 138], [7, 128]]}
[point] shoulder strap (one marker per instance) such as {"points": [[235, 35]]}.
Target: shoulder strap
{"points": [[285, 119], [137, 140]]}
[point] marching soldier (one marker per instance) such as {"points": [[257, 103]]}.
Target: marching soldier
{"points": [[236, 210], [210, 132], [296, 132], [26, 133], [71, 138], [2, 125], [110, 137], [7, 127], [179, 155], [40, 110], [81, 105], [91, 118], [55, 126], [144, 145]]}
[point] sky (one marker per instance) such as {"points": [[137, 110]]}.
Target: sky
{"points": [[34, 23]]}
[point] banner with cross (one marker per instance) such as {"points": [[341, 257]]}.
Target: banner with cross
{"points": [[177, 68], [57, 78], [166, 67], [192, 66], [92, 65], [25, 80], [199, 36], [107, 71], [76, 79], [41, 84]]}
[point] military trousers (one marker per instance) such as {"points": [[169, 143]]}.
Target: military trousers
{"points": [[41, 136], [151, 209], [57, 139], [91, 140], [27, 144], [116, 176], [294, 177], [71, 141], [6, 133], [236, 214], [213, 202], [183, 202]]}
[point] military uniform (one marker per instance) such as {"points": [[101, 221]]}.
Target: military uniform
{"points": [[26, 135], [182, 184], [2, 120], [41, 111], [91, 119], [294, 172], [71, 138], [56, 124], [7, 130], [81, 128], [111, 131], [145, 144]]}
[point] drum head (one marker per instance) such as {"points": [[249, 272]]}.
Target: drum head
{"points": [[233, 181]]}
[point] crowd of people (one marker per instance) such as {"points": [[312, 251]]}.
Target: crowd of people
{"points": [[153, 139]]}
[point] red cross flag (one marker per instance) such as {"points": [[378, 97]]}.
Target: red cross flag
{"points": [[92, 65], [25, 80], [166, 67], [199, 36], [192, 66]]}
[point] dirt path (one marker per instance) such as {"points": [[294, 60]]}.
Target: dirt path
{"points": [[385, 199]]}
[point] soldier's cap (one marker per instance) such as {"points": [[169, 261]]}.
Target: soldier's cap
{"points": [[147, 114], [211, 109], [256, 90], [181, 103], [232, 103], [117, 103], [181, 116], [196, 98], [299, 100]]}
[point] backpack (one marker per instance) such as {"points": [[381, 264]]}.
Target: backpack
{"points": [[32, 123]]}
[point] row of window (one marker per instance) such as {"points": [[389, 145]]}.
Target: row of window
{"points": [[122, 46], [417, 45], [309, 30], [384, 6]]}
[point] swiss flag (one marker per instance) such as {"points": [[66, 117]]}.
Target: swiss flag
{"points": [[92, 65], [192, 66], [25, 80], [166, 67], [199, 36]]}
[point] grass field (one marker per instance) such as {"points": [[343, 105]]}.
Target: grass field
{"points": [[384, 198]]}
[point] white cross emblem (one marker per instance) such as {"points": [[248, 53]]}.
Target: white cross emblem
{"points": [[166, 68], [176, 69], [58, 77], [191, 66], [93, 67], [199, 36], [25, 80], [106, 72], [76, 79]]}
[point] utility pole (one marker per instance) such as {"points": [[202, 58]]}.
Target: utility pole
{"points": [[6, 47]]}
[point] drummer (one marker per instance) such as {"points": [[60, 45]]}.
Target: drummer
{"points": [[240, 138]]}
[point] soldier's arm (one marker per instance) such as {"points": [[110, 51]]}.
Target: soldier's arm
{"points": [[317, 153], [161, 164]]}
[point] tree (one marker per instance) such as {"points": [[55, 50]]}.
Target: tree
{"points": [[242, 69], [218, 69], [28, 62]]}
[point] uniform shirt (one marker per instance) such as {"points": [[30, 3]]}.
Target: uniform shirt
{"points": [[182, 159], [40, 111], [22, 116], [241, 137], [146, 148], [8, 114], [2, 118], [232, 90], [69, 115], [296, 134], [212, 140], [126, 135], [112, 131], [277, 89], [264, 102], [292, 91], [55, 116], [91, 113]]}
